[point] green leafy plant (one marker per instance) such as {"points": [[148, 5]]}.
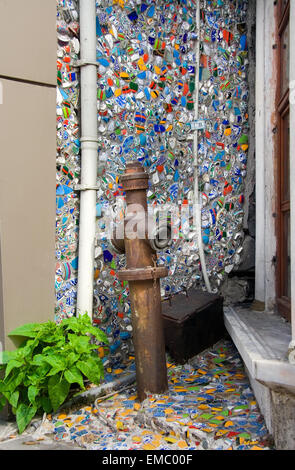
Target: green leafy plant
{"points": [[52, 360]]}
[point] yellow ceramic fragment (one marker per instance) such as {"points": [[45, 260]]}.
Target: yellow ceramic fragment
{"points": [[228, 423], [125, 76], [156, 443], [148, 447], [154, 94], [171, 440], [221, 432], [80, 428], [141, 64], [203, 407], [182, 444], [119, 425]]}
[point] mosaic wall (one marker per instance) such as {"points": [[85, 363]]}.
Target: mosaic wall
{"points": [[146, 54], [68, 158]]}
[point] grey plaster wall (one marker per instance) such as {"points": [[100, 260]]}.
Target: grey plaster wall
{"points": [[278, 409], [27, 163], [283, 419]]}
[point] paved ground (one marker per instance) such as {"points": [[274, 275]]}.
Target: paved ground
{"points": [[209, 406]]}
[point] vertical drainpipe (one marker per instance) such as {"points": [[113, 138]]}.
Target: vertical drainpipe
{"points": [[89, 145], [197, 208]]}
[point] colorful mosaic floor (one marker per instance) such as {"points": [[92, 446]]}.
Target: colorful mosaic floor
{"points": [[209, 406]]}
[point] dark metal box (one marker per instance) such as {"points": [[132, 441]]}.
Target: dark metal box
{"points": [[193, 321]]}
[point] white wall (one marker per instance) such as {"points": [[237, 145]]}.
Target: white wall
{"points": [[265, 288], [266, 76]]}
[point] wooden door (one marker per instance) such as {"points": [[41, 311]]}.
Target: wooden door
{"points": [[283, 163]]}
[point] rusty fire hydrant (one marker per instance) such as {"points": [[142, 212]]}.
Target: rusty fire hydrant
{"points": [[143, 277]]}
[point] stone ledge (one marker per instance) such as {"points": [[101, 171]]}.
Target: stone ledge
{"points": [[262, 340]]}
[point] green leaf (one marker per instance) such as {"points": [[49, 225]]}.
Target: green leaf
{"points": [[14, 398], [99, 335], [32, 393], [13, 381], [58, 390], [71, 324], [12, 364], [26, 350], [2, 401], [24, 415], [83, 325], [73, 375], [79, 343], [46, 404], [49, 332], [6, 356], [72, 358], [95, 359], [38, 360], [56, 362], [30, 330], [40, 374], [90, 369]]}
